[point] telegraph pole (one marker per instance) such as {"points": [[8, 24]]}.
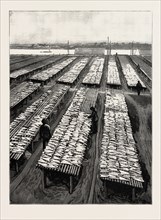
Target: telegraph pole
{"points": [[108, 48], [68, 46], [132, 48]]}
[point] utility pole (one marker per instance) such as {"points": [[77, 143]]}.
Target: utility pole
{"points": [[108, 45], [132, 49], [68, 46]]}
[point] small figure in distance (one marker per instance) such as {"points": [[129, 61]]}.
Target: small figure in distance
{"points": [[138, 87], [45, 132], [94, 118]]}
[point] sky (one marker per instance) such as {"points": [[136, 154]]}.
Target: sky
{"points": [[79, 26]]}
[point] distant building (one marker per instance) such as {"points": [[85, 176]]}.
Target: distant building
{"points": [[90, 51], [136, 52], [145, 52]]}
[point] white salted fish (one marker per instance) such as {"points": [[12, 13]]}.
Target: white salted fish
{"points": [[138, 178], [122, 172], [66, 162], [74, 129], [45, 158], [42, 163], [112, 157], [132, 159], [123, 178]]}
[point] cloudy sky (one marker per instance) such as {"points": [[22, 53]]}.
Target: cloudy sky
{"points": [[53, 27]]}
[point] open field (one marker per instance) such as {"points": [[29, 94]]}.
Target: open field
{"points": [[71, 163]]}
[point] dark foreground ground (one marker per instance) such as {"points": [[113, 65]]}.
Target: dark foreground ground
{"points": [[88, 188]]}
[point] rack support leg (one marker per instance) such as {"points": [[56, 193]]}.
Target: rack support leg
{"points": [[133, 194], [71, 185], [43, 179]]}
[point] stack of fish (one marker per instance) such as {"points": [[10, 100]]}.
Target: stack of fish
{"points": [[131, 76], [18, 88], [25, 116], [113, 75], [68, 142], [18, 73], [129, 73], [95, 73], [20, 141], [116, 102], [17, 95], [73, 73], [50, 72], [119, 159]]}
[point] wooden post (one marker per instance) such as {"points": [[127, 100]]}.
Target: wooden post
{"points": [[43, 179], [133, 194], [16, 166], [71, 185], [105, 184]]}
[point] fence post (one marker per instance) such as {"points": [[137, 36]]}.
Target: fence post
{"points": [[71, 184]]}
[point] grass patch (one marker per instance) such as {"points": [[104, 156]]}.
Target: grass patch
{"points": [[140, 113], [141, 100], [133, 113]]}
